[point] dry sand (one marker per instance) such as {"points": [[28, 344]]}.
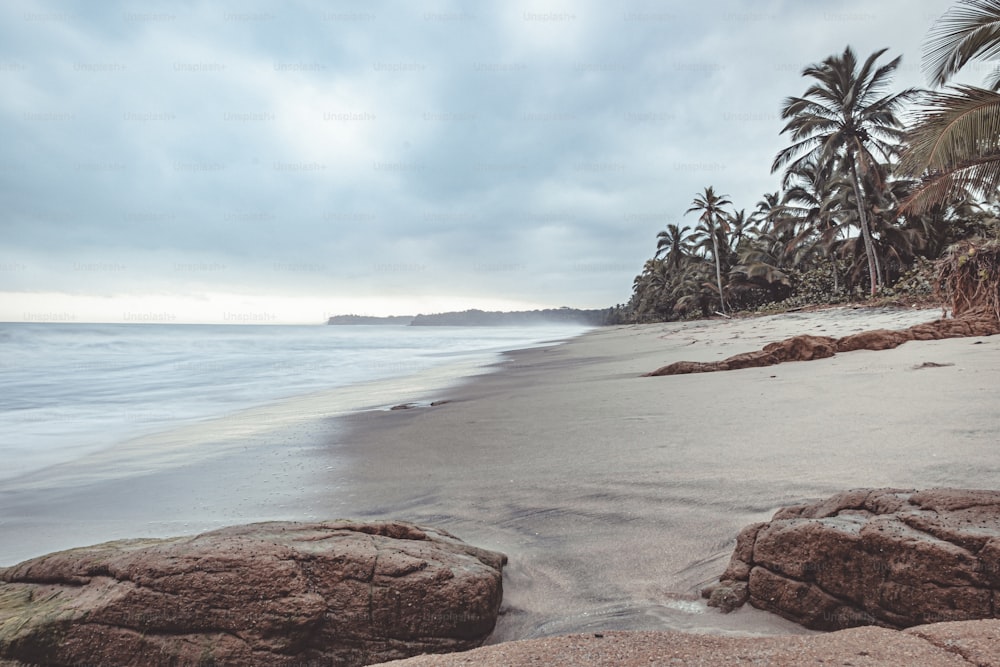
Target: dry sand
{"points": [[943, 645], [617, 496]]}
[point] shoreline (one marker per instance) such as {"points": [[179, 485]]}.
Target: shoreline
{"points": [[258, 463], [617, 496]]}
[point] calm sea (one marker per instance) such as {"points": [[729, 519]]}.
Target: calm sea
{"points": [[74, 390]]}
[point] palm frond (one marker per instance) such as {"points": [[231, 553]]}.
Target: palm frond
{"points": [[867, 83], [955, 127], [787, 155], [969, 30], [981, 176], [993, 79], [887, 107], [828, 92], [795, 106]]}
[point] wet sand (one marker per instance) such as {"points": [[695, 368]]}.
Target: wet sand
{"points": [[266, 463], [617, 496], [951, 645]]}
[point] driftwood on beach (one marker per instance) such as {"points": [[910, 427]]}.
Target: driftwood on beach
{"points": [[969, 282], [807, 348]]}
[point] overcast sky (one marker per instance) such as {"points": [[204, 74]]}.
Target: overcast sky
{"points": [[284, 161]]}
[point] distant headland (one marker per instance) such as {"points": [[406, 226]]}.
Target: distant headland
{"points": [[482, 318]]}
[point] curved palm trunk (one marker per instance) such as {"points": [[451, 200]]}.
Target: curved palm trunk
{"points": [[874, 270], [718, 267]]}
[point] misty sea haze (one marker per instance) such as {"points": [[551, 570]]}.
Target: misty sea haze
{"points": [[72, 391]]}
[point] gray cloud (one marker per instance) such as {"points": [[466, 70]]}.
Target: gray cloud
{"points": [[519, 150]]}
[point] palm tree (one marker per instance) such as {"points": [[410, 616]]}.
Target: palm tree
{"points": [[649, 288], [768, 210], [674, 242], [694, 289], [895, 244], [844, 115], [811, 216], [739, 227], [758, 266], [713, 219], [955, 142]]}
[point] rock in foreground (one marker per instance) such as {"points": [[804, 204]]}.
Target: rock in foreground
{"points": [[281, 593], [888, 557]]}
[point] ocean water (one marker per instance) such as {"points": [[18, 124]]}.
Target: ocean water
{"points": [[73, 391]]}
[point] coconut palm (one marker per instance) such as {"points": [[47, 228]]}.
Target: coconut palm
{"points": [[759, 266], [768, 210], [694, 289], [654, 291], [811, 218], [955, 141], [740, 226], [844, 116], [675, 244], [713, 220], [897, 243]]}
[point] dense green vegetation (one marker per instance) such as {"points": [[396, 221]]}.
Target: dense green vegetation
{"points": [[875, 186]]}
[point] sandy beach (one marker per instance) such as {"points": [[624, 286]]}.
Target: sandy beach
{"points": [[617, 496]]}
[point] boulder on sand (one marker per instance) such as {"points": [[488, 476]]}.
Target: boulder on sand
{"points": [[279, 593], [889, 557]]}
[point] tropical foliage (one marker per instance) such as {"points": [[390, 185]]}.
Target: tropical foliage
{"points": [[875, 185], [843, 122], [954, 144]]}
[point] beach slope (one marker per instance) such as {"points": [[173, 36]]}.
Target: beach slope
{"points": [[617, 496]]}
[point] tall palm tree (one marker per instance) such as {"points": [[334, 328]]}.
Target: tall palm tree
{"points": [[844, 115], [713, 219], [675, 244], [955, 141]]}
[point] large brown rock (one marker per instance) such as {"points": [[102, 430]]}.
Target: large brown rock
{"points": [[889, 557], [281, 593]]}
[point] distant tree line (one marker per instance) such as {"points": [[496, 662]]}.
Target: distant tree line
{"points": [[472, 318], [479, 318]]}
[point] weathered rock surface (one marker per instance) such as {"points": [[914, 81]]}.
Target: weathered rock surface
{"points": [[807, 348], [890, 557], [280, 593]]}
